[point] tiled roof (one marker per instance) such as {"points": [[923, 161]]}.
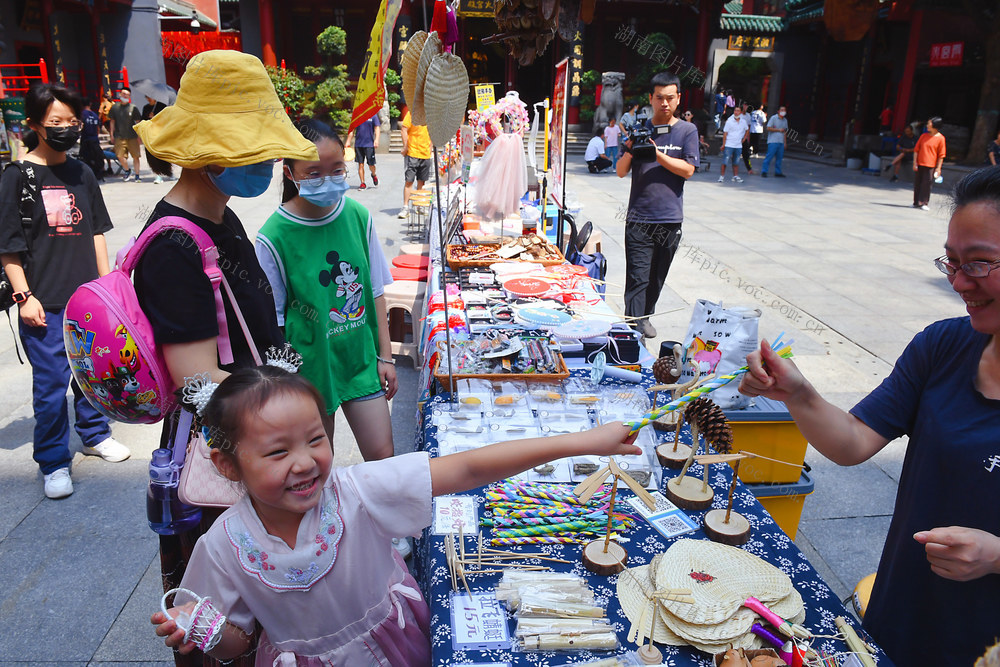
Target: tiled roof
{"points": [[751, 23], [734, 7]]}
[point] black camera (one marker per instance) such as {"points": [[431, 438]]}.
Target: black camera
{"points": [[639, 135]]}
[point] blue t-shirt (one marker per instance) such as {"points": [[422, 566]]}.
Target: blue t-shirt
{"points": [[950, 477], [91, 124], [364, 134], [657, 193], [720, 103]]}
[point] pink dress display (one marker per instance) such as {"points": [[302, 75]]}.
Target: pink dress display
{"points": [[343, 596]]}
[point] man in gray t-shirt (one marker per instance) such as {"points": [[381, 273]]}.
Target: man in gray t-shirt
{"points": [[777, 132]]}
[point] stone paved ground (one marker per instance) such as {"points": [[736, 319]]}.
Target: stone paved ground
{"points": [[837, 260]]}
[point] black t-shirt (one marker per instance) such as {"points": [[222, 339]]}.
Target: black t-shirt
{"points": [[993, 148], [657, 193], [177, 297], [68, 213], [91, 125], [909, 143]]}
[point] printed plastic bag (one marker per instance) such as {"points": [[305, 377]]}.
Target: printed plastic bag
{"points": [[718, 340]]}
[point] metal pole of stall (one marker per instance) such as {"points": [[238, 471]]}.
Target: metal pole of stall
{"points": [[443, 242]]}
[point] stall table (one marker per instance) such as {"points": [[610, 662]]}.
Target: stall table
{"points": [[767, 541]]}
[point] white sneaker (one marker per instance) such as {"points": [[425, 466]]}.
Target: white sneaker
{"points": [[402, 545], [722, 179], [158, 179], [58, 484], [110, 450], [737, 179], [403, 213], [925, 207]]}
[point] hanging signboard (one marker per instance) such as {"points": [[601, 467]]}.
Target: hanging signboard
{"points": [[947, 55], [558, 133], [485, 97]]}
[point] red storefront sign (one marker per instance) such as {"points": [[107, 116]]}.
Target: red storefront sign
{"points": [[947, 54]]}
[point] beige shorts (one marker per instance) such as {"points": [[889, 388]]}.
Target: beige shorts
{"points": [[131, 145]]}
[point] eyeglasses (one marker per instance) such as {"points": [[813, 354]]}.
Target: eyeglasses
{"points": [[72, 123], [316, 181], [971, 269]]}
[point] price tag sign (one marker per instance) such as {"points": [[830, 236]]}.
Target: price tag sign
{"points": [[478, 623], [485, 97], [456, 514]]}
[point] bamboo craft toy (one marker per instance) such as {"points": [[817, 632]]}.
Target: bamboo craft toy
{"points": [[605, 557], [785, 352], [674, 455], [706, 417]]}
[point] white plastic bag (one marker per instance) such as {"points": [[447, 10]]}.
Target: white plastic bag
{"points": [[718, 340]]}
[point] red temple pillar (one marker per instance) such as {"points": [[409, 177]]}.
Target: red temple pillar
{"points": [[266, 13], [904, 99]]}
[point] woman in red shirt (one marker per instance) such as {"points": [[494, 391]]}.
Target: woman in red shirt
{"points": [[927, 158]]}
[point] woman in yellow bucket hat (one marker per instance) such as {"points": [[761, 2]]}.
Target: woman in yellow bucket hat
{"points": [[226, 131]]}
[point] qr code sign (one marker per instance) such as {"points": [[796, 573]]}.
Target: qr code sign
{"points": [[671, 525]]}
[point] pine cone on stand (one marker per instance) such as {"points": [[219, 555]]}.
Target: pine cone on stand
{"points": [[665, 370], [711, 422]]}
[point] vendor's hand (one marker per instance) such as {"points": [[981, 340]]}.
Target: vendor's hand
{"points": [[167, 628], [387, 378], [32, 312], [613, 439], [771, 376], [959, 553]]}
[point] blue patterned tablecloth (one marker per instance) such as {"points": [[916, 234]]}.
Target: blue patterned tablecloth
{"points": [[767, 541]]}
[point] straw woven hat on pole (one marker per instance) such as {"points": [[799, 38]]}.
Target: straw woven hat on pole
{"points": [[432, 48], [408, 66], [446, 95]]}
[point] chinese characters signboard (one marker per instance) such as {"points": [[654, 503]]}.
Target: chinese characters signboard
{"points": [[558, 133], [947, 55], [751, 42], [476, 8], [576, 69]]}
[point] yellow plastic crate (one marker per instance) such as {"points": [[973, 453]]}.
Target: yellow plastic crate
{"points": [[767, 429], [784, 502]]}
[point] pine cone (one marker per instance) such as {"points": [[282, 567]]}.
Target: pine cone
{"points": [[665, 370], [711, 423]]}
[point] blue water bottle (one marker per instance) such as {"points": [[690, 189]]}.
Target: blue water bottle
{"points": [[166, 513]]}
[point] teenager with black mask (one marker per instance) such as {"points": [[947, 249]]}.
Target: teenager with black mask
{"points": [[46, 259]]}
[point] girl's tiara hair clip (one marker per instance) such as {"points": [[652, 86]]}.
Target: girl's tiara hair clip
{"points": [[201, 622], [198, 391], [285, 358]]}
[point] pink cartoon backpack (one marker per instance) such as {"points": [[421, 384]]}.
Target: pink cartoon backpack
{"points": [[109, 340]]}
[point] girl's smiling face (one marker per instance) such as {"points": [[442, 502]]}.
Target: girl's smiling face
{"points": [[974, 235], [283, 458]]}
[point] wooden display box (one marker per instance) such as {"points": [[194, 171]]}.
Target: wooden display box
{"points": [[456, 263], [767, 429], [441, 375], [751, 653]]}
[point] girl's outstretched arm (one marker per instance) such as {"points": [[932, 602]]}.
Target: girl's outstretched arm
{"points": [[468, 470]]}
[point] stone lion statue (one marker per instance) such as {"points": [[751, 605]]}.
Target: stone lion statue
{"points": [[612, 103]]}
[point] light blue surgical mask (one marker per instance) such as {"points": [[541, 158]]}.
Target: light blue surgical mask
{"points": [[248, 181], [324, 191]]}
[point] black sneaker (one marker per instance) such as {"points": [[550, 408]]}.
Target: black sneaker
{"points": [[362, 186], [779, 175], [374, 181], [894, 178], [763, 174], [127, 175]]}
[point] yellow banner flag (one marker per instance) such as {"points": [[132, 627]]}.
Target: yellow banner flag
{"points": [[370, 95], [485, 97]]}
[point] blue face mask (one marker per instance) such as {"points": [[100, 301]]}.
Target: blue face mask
{"points": [[327, 193], [247, 181]]}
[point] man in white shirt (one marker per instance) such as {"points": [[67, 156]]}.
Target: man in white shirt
{"points": [[776, 130], [734, 133], [597, 160], [757, 120]]}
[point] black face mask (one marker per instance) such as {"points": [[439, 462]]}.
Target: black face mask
{"points": [[61, 138]]}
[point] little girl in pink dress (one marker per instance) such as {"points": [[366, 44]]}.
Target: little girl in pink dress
{"points": [[308, 552]]}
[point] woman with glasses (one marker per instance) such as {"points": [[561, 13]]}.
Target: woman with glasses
{"points": [[55, 248], [935, 596], [327, 272]]}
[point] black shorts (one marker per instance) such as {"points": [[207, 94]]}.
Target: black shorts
{"points": [[417, 169], [362, 153]]}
